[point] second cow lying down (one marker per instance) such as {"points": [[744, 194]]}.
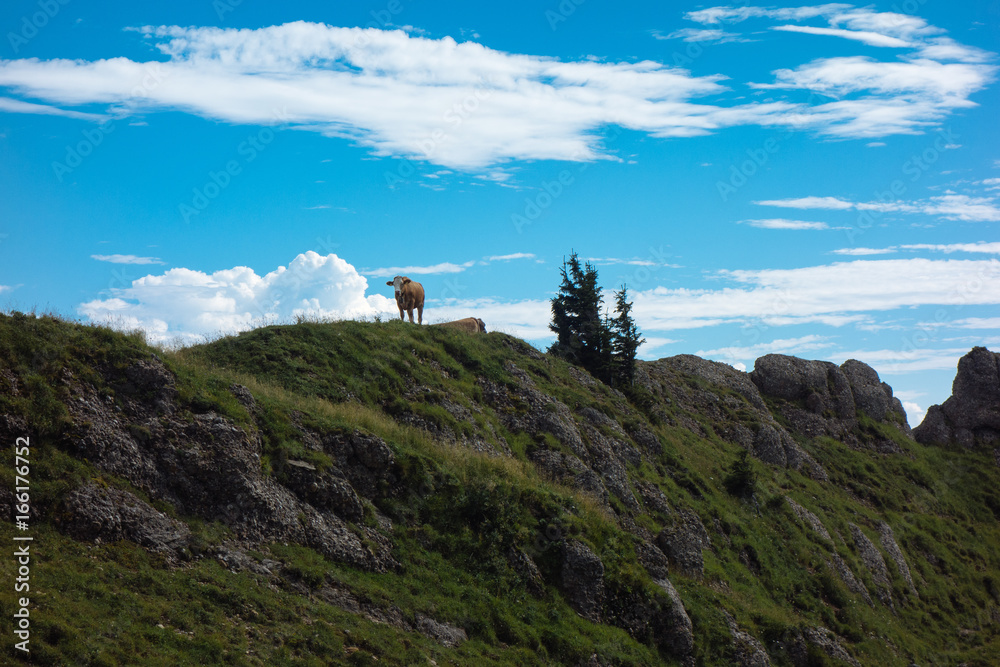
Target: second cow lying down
{"points": [[470, 324]]}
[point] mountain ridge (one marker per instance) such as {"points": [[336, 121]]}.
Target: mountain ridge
{"points": [[468, 499]]}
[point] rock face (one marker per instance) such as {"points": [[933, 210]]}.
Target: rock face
{"points": [[210, 468], [583, 580], [971, 416], [697, 387], [109, 515], [821, 398]]}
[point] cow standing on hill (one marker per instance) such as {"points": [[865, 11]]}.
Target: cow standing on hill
{"points": [[409, 296]]}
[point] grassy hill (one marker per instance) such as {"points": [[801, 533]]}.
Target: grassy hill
{"points": [[382, 493]]}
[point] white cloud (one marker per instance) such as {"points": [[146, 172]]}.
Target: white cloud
{"points": [[869, 38], [859, 252], [505, 258], [702, 35], [914, 413], [795, 346], [186, 305], [471, 108], [808, 202], [434, 269], [781, 223], [875, 144], [947, 248], [989, 323], [10, 105], [950, 206], [527, 319], [835, 294], [127, 259]]}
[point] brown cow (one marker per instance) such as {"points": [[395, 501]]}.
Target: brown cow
{"points": [[409, 295], [470, 324]]}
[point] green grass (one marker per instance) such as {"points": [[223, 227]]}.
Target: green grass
{"points": [[458, 513]]}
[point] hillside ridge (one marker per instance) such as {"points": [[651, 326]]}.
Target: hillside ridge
{"points": [[352, 491]]}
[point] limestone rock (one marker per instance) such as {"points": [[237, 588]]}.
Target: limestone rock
{"points": [[583, 580], [106, 514], [683, 544], [888, 540], [872, 558], [971, 416]]}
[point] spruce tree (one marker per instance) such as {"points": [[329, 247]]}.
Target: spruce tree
{"points": [[625, 340], [582, 336]]}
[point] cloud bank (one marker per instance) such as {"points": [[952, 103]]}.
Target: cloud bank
{"points": [[185, 306], [469, 107]]}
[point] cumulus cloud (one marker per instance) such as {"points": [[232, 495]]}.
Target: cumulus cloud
{"points": [[185, 305]]}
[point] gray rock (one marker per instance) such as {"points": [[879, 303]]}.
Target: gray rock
{"points": [[583, 580], [683, 544], [971, 416], [823, 639], [444, 633], [888, 541], [810, 519], [873, 561], [106, 514], [748, 651], [673, 630]]}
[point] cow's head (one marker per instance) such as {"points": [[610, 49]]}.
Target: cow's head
{"points": [[482, 325], [398, 283]]}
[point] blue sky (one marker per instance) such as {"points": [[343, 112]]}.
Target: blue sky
{"points": [[816, 180]]}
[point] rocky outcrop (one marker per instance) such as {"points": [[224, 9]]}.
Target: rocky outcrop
{"points": [[875, 563], [888, 541], [691, 388], [206, 466], [747, 651], [820, 398], [971, 416], [583, 580], [105, 514], [821, 638], [683, 544]]}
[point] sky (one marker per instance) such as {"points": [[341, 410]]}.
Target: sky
{"points": [[816, 180]]}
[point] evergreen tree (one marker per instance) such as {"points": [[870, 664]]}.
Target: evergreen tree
{"points": [[625, 340], [582, 336]]}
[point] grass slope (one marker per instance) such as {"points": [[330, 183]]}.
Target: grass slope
{"points": [[461, 511]]}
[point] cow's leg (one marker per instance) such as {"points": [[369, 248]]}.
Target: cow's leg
{"points": [[410, 313], [400, 313], [420, 314]]}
